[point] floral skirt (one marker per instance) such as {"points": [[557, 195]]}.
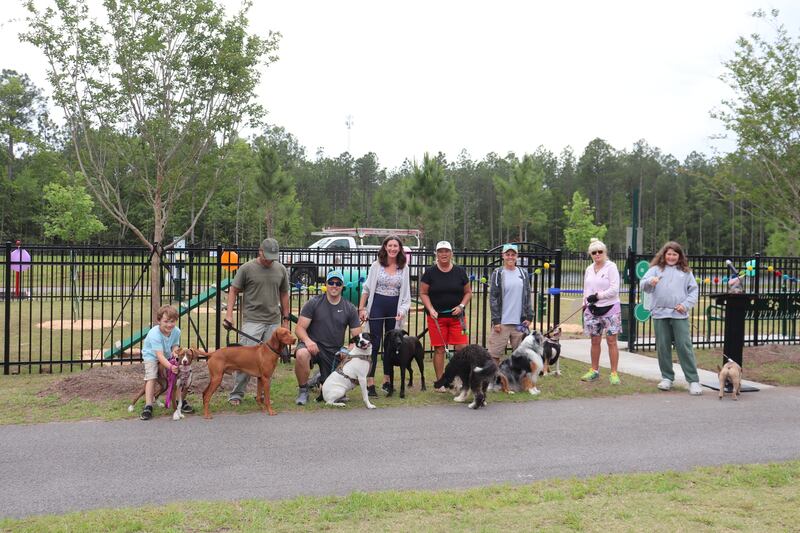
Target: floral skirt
{"points": [[610, 324]]}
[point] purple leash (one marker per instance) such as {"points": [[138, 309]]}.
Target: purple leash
{"points": [[171, 377]]}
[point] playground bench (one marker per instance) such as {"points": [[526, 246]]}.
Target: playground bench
{"points": [[783, 307]]}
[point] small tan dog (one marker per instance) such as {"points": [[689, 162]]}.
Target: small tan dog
{"points": [[730, 372]]}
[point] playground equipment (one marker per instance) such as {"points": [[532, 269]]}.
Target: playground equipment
{"points": [[184, 308]]}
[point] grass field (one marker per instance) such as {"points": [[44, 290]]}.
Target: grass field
{"points": [[26, 403], [748, 498]]}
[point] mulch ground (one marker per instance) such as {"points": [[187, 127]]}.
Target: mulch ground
{"points": [[124, 381]]}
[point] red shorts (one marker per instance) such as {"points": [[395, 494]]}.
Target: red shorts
{"points": [[451, 331]]}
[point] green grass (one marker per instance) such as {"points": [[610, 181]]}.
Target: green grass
{"points": [[730, 498], [779, 371], [24, 405], [773, 371]]}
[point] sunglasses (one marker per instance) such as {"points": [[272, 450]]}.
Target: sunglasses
{"points": [[596, 252], [335, 283]]}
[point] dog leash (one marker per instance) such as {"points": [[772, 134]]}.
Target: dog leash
{"points": [[171, 379], [230, 327], [556, 326], [446, 350]]}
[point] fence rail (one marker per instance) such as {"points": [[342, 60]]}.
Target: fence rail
{"points": [[84, 306]]}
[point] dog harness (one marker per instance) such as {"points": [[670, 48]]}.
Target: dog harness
{"points": [[339, 369]]}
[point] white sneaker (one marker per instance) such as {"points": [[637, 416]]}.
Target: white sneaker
{"points": [[695, 389], [665, 384]]}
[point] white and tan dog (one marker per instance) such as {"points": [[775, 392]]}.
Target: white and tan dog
{"points": [[731, 373], [351, 372]]}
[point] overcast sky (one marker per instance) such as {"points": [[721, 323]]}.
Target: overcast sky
{"points": [[498, 76]]}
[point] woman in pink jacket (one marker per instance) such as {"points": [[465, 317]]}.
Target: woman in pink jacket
{"points": [[602, 312]]}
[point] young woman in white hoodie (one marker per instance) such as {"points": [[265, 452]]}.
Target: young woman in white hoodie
{"points": [[385, 300], [671, 291]]}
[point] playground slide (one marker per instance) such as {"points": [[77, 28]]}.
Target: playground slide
{"points": [[184, 308]]}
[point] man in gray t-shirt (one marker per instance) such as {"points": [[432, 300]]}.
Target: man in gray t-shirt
{"points": [[320, 329], [510, 304], [264, 285]]}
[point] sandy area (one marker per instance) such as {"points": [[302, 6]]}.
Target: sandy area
{"points": [[79, 325]]}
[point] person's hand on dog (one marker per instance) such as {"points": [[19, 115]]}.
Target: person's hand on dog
{"points": [[312, 347], [592, 298], [227, 324]]}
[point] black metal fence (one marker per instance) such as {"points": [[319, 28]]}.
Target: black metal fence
{"points": [[774, 309], [75, 307]]}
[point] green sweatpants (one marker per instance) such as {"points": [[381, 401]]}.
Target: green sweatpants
{"points": [[675, 331]]}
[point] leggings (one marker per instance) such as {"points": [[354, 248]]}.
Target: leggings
{"points": [[382, 306]]}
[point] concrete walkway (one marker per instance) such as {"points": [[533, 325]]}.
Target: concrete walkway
{"points": [[640, 365]]}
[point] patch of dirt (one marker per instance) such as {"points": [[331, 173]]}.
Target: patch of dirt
{"points": [[98, 354], [124, 382], [754, 356], [772, 364], [773, 353], [80, 325]]}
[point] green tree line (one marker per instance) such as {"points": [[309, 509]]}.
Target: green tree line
{"points": [[155, 175]]}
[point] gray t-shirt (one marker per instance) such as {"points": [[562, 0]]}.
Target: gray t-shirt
{"points": [[329, 322], [512, 297], [261, 290]]}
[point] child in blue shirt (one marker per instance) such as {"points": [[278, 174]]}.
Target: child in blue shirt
{"points": [[160, 343]]}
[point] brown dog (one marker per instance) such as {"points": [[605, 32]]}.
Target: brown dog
{"points": [[185, 356], [259, 361], [730, 372]]}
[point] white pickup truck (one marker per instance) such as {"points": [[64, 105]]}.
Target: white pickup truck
{"points": [[344, 248]]}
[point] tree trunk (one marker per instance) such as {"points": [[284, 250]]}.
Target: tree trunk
{"points": [[158, 235], [268, 221], [10, 158]]}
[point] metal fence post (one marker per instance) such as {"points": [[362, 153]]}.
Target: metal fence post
{"points": [[7, 325], [218, 317], [632, 283], [757, 291], [557, 296]]}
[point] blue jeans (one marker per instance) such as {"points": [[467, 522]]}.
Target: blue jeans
{"points": [[382, 306]]}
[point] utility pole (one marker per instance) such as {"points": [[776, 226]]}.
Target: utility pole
{"points": [[349, 123]]}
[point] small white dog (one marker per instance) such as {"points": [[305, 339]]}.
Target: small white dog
{"points": [[353, 371]]}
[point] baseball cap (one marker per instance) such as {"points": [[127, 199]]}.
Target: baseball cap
{"points": [[508, 246], [334, 274], [270, 249], [444, 244]]}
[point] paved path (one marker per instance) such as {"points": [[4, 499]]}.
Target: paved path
{"points": [[60, 467], [640, 365]]}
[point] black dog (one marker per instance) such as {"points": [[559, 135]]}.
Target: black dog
{"points": [[400, 350], [552, 351], [475, 368]]}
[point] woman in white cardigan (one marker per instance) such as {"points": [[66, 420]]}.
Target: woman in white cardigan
{"points": [[385, 300]]}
